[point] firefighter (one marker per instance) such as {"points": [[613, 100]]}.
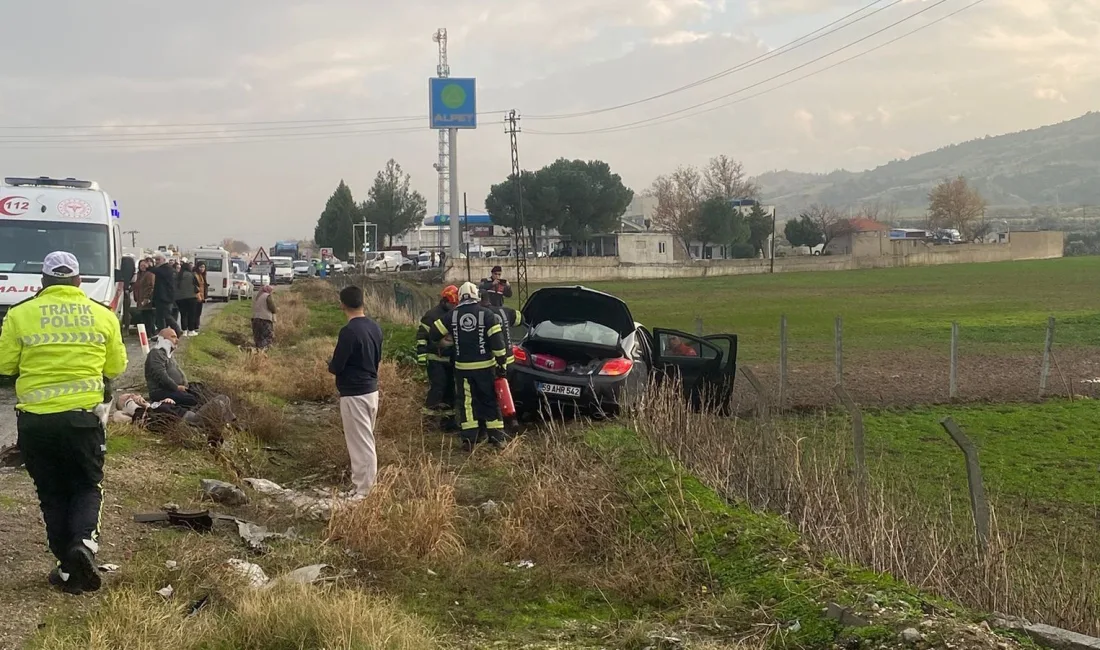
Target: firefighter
{"points": [[509, 318], [434, 355], [479, 357], [62, 345]]}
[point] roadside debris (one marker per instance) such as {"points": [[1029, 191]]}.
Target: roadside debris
{"points": [[10, 456], [489, 507], [108, 568], [255, 536], [167, 592], [222, 492], [306, 575], [520, 564], [253, 572], [317, 507], [200, 521], [171, 565]]}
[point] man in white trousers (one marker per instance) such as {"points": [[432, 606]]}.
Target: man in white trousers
{"points": [[355, 364]]}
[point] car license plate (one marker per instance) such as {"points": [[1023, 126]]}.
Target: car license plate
{"points": [[558, 389]]}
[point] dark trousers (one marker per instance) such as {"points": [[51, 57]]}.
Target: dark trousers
{"points": [[64, 455], [163, 317], [148, 318], [441, 388], [198, 314], [185, 399], [187, 308], [476, 407]]}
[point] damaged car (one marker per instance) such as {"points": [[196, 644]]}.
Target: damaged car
{"points": [[583, 349]]}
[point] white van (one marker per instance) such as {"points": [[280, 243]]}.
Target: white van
{"points": [[42, 215], [388, 261], [284, 269], [218, 273]]}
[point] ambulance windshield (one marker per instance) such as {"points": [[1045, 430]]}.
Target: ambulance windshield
{"points": [[24, 244]]}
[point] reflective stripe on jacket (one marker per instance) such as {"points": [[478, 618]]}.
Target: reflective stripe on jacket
{"points": [[477, 334], [429, 347], [61, 344]]}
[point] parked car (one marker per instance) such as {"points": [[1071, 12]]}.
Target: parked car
{"points": [[424, 260], [301, 268], [240, 287], [389, 261], [583, 349]]}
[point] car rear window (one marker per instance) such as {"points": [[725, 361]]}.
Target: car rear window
{"points": [[584, 332]]}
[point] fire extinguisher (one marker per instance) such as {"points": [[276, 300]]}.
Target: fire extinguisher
{"points": [[504, 397]]}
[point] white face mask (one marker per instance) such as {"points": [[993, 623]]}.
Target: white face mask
{"points": [[166, 345]]}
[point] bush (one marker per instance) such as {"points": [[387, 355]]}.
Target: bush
{"points": [[742, 251]]}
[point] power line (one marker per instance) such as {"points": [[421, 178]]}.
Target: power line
{"points": [[786, 48], [319, 122], [128, 143], [661, 119]]}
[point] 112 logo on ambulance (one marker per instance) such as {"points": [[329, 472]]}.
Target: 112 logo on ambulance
{"points": [[13, 206]]}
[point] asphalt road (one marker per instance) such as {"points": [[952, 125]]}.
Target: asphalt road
{"points": [[132, 378]]}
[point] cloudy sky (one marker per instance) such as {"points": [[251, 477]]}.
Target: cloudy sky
{"points": [[237, 119]]}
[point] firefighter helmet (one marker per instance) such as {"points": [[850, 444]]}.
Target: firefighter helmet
{"points": [[468, 291]]}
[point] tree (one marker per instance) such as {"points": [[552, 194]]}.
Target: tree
{"points": [[878, 210], [956, 205], [803, 231], [334, 225], [392, 204], [589, 198], [236, 246], [714, 221], [678, 196], [828, 221], [725, 177], [540, 204], [760, 229]]}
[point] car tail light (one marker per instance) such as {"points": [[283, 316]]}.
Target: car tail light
{"points": [[520, 354], [616, 367], [225, 283]]}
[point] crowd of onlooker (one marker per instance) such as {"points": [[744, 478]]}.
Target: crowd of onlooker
{"points": [[169, 294]]}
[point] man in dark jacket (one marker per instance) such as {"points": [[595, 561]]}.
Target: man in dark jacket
{"points": [[496, 287], [163, 376], [435, 357], [164, 294]]}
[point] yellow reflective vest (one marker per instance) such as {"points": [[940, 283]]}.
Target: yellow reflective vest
{"points": [[61, 344]]}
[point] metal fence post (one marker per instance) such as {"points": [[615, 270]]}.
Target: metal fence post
{"points": [[839, 334], [1047, 350], [783, 362], [978, 504], [857, 440], [953, 389]]}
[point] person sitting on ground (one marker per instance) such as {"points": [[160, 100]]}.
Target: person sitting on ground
{"points": [[163, 375], [263, 318]]}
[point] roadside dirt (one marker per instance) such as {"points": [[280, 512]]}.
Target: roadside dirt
{"points": [[26, 601]]}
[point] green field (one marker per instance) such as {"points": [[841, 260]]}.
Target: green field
{"points": [[1000, 307]]}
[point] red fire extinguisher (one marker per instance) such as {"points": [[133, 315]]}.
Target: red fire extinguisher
{"points": [[504, 397]]}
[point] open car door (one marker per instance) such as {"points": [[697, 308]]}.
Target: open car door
{"points": [[704, 366]]}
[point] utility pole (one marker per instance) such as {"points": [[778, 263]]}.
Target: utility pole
{"points": [[771, 254], [133, 237], [442, 166], [512, 129]]}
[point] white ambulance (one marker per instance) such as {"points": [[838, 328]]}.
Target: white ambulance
{"points": [[42, 215]]}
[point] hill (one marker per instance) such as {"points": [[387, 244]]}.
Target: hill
{"points": [[1051, 165]]}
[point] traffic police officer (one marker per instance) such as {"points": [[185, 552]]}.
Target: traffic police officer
{"points": [[479, 357], [62, 345], [435, 355]]}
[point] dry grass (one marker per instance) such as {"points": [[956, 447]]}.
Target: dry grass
{"points": [[802, 471], [410, 516], [267, 619], [291, 319]]}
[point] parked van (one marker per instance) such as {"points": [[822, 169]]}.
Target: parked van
{"points": [[389, 261], [218, 272]]}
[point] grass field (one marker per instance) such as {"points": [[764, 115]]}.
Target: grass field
{"points": [[897, 327], [999, 307]]}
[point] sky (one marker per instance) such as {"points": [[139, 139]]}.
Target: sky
{"points": [[219, 119]]}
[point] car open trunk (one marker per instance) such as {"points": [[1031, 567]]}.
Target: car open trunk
{"points": [[568, 357], [576, 305]]}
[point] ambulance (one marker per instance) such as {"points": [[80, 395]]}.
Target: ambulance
{"points": [[42, 215]]}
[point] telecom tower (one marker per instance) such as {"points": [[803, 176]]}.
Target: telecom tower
{"points": [[442, 70]]}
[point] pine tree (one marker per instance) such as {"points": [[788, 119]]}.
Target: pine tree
{"points": [[335, 224]]}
